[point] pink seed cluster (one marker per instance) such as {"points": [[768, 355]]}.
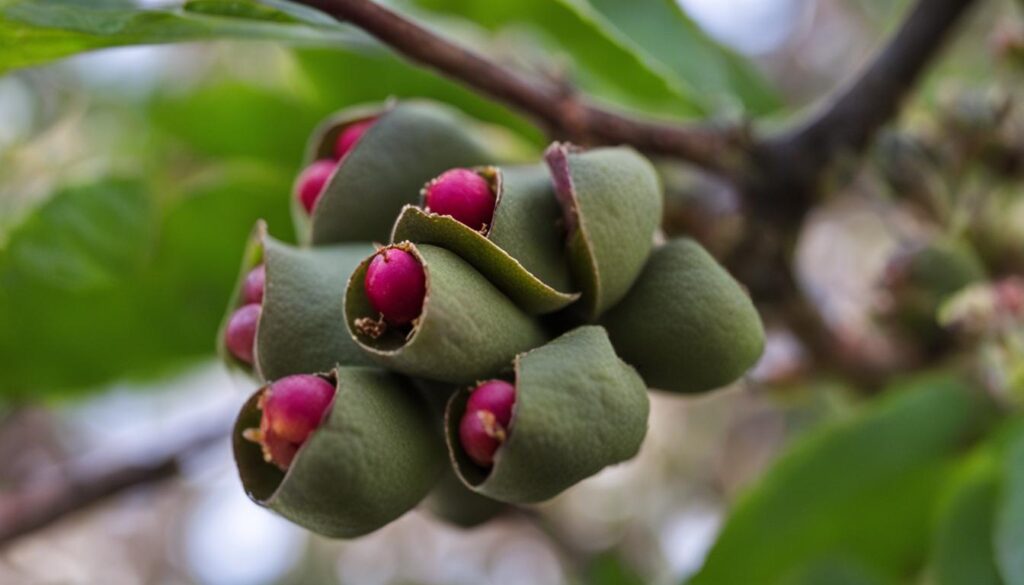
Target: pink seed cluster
{"points": [[486, 422], [293, 407], [310, 184], [462, 194], [240, 335], [396, 285]]}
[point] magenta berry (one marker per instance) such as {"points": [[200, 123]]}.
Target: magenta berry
{"points": [[485, 423], [350, 136], [255, 281], [293, 408], [311, 182], [396, 285], [240, 336], [462, 194]]}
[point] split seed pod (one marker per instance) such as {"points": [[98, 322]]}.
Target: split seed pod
{"points": [[523, 250], [578, 409], [467, 329], [612, 203], [375, 456], [686, 325], [298, 329], [408, 143]]}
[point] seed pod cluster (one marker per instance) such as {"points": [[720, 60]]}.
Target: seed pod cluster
{"points": [[439, 301]]}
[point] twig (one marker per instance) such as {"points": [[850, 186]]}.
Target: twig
{"points": [[563, 113], [37, 506]]}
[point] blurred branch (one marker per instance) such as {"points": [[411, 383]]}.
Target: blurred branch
{"points": [[555, 106], [80, 485]]}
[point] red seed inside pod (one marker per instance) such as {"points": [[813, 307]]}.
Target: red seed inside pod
{"points": [[293, 407], [350, 136], [240, 335], [462, 194], [254, 284], [311, 182], [395, 285], [486, 421]]}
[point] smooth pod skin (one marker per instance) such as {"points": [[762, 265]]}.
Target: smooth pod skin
{"points": [[396, 285], [578, 409], [310, 184], [375, 455], [467, 331], [687, 326], [349, 136], [255, 282], [293, 408], [463, 194], [240, 334]]}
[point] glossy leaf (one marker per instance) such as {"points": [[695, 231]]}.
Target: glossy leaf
{"points": [[864, 487]]}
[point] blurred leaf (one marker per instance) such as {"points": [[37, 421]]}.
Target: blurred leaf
{"points": [[55, 339], [611, 569], [963, 551], [76, 242], [863, 488], [609, 64], [1009, 531], [33, 32], [667, 34], [835, 571], [340, 78], [234, 119], [272, 10]]}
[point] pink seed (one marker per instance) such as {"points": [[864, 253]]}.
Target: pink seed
{"points": [[496, 396], [486, 422], [462, 194], [240, 336], [255, 281], [311, 182], [350, 136], [294, 406], [396, 285]]}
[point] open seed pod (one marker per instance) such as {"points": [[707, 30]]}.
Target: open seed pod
{"points": [[578, 408], [612, 203], [467, 329], [522, 251], [460, 506], [686, 325], [302, 298], [375, 455], [408, 143]]}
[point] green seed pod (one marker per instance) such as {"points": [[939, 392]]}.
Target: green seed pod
{"points": [[522, 252], [578, 409], [467, 330], [409, 142], [611, 199], [298, 328], [456, 504], [375, 456], [686, 325]]}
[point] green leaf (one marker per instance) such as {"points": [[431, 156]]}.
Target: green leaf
{"points": [[32, 32], [864, 489], [963, 551], [1009, 530], [608, 63], [666, 33]]}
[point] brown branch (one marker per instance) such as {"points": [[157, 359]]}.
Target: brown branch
{"points": [[79, 486], [562, 113], [794, 162]]}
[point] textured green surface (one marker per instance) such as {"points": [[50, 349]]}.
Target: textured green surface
{"points": [[456, 504], [523, 253], [302, 326], [468, 329], [612, 201], [410, 143], [375, 457], [579, 408], [686, 325], [863, 488]]}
